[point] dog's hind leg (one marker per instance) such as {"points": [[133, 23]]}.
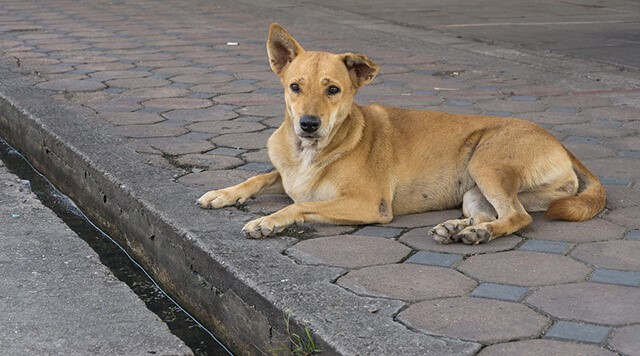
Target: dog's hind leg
{"points": [[475, 208], [500, 188]]}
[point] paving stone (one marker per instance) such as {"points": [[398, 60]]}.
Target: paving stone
{"points": [[626, 340], [619, 197], [135, 83], [209, 161], [498, 113], [202, 78], [595, 229], [216, 113], [349, 251], [625, 278], [177, 103], [524, 268], [420, 239], [581, 332], [217, 179], [434, 259], [253, 140], [154, 130], [633, 235], [226, 127], [475, 319], [564, 110], [500, 292], [257, 167], [524, 98], [131, 118], [264, 110], [629, 217], [269, 204], [622, 254], [582, 150], [590, 130], [379, 231], [224, 151], [407, 282], [545, 246], [424, 219], [72, 85], [617, 167], [615, 181], [589, 302], [544, 347]]}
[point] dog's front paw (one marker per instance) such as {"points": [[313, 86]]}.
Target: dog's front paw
{"points": [[262, 227], [215, 199]]}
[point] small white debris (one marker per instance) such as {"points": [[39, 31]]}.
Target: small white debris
{"points": [[232, 43]]}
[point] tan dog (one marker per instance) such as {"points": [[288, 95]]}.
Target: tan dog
{"points": [[347, 164]]}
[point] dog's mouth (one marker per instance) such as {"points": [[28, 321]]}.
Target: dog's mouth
{"points": [[309, 136]]}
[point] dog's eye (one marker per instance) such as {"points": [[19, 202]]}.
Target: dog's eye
{"points": [[332, 90], [295, 87]]}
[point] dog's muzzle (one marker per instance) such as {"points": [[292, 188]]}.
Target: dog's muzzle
{"points": [[309, 124]]}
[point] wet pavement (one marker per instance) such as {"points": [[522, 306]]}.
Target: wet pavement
{"points": [[135, 110]]}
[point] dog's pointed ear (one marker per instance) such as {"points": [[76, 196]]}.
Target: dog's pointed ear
{"points": [[362, 70], [282, 48]]}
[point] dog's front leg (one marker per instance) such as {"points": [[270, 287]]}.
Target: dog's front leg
{"points": [[261, 184], [343, 211]]}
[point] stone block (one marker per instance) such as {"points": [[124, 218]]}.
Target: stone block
{"points": [[349, 251], [524, 268], [407, 282], [475, 319], [589, 302]]}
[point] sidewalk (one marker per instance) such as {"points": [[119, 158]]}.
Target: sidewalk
{"points": [[135, 109]]}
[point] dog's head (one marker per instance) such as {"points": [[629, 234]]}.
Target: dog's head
{"points": [[319, 87]]}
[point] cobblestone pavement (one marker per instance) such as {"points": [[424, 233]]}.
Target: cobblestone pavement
{"points": [[187, 86]]}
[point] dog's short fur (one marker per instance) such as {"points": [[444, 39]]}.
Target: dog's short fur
{"points": [[347, 164]]}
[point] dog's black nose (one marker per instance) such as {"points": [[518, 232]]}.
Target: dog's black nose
{"points": [[309, 123]]}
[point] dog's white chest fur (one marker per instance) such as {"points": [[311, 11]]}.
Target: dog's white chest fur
{"points": [[300, 180]]}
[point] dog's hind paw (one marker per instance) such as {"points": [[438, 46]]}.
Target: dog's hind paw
{"points": [[473, 235], [447, 232]]}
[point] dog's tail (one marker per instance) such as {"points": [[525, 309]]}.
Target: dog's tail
{"points": [[589, 201]]}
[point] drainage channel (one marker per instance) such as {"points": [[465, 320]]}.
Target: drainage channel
{"points": [[182, 324]]}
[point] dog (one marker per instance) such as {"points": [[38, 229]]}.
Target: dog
{"points": [[346, 164]]}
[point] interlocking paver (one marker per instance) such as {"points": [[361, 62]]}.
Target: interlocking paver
{"points": [[379, 231], [475, 319], [581, 332], [434, 259], [525, 268], [499, 291], [545, 246], [626, 340], [589, 302], [621, 254], [349, 251], [544, 347], [633, 235], [629, 217], [587, 231], [408, 282], [625, 278]]}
